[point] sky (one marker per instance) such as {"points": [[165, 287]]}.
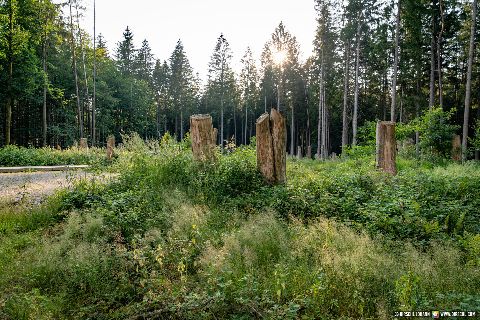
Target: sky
{"points": [[198, 23]]}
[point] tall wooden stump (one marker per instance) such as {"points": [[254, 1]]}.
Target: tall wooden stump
{"points": [[386, 147], [309, 152], [456, 148], [203, 137], [83, 143], [110, 147], [271, 147]]}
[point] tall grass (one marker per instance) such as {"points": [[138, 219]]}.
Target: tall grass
{"points": [[174, 239]]}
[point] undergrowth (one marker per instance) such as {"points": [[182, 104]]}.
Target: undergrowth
{"points": [[175, 239]]}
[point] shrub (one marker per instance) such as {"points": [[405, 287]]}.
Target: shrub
{"points": [[436, 132]]}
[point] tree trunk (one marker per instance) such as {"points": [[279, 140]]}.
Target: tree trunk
{"points": [[86, 102], [395, 66], [439, 57], [431, 100], [279, 137], [45, 83], [292, 133], [83, 143], [94, 75], [456, 148], [386, 147], [355, 103], [265, 160], [79, 111], [235, 126], [203, 137], [246, 124], [345, 98], [271, 146], [8, 116], [320, 136], [110, 147], [299, 152], [468, 86]]}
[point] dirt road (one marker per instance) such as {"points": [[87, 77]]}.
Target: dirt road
{"points": [[35, 186]]}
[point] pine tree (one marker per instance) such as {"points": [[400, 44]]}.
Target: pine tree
{"points": [[144, 62], [182, 89], [125, 53], [221, 79], [248, 89]]}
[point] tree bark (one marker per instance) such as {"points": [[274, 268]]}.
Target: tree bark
{"points": [[345, 98], [292, 133], [86, 98], [271, 147], [203, 137], [395, 66], [45, 84], [355, 103], [386, 147], [431, 100], [299, 152], [110, 147], [8, 116], [94, 74], [439, 57], [279, 137], [468, 86], [83, 143], [79, 110], [456, 148], [265, 160]]}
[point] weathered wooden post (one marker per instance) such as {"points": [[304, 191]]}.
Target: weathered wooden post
{"points": [[456, 148], [203, 137], [110, 147], [265, 162], [83, 143], [386, 147], [309, 152], [271, 147], [299, 152], [279, 137]]}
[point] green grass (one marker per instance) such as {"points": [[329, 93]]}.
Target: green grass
{"points": [[19, 156], [179, 240]]}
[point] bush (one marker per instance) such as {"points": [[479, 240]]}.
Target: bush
{"points": [[436, 132], [19, 156]]}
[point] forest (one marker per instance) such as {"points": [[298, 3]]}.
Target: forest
{"points": [[174, 213], [372, 60]]}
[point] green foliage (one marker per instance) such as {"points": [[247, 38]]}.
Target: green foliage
{"points": [[176, 239], [20, 156], [475, 140], [436, 131]]}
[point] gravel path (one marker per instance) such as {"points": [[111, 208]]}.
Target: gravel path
{"points": [[33, 187]]}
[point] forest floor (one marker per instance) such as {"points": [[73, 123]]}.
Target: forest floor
{"points": [[33, 187]]}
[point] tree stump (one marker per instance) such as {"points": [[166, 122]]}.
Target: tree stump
{"points": [[83, 143], [110, 147], [271, 147], [456, 148], [279, 136], [309, 152], [203, 137], [299, 152], [265, 162], [386, 147]]}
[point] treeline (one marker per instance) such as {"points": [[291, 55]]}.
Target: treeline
{"points": [[372, 59]]}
